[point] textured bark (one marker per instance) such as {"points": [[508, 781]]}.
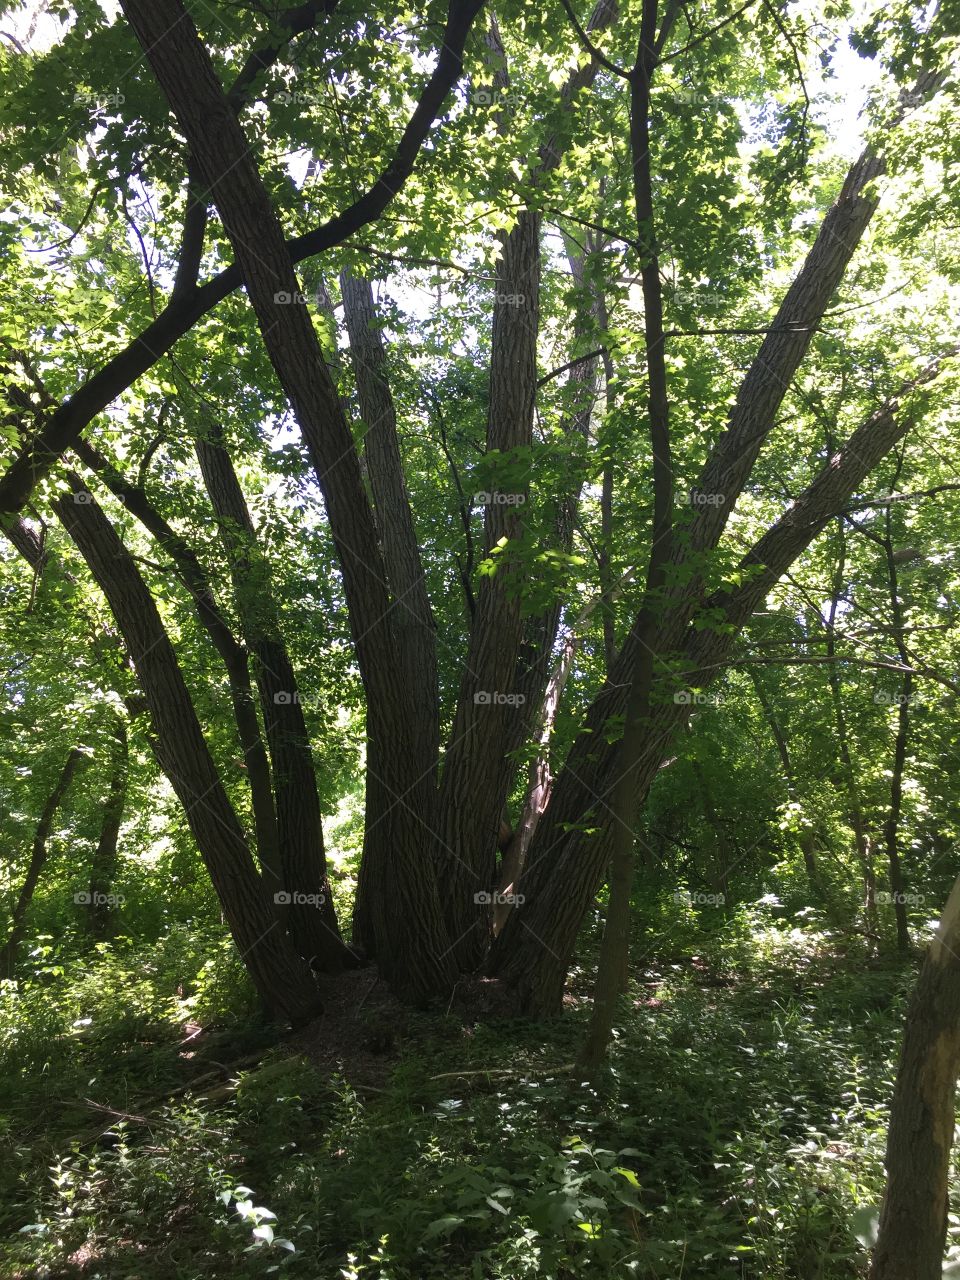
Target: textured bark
{"points": [[913, 1218], [475, 770], [282, 980], [477, 766], [38, 858], [565, 867], [414, 625], [417, 960], [103, 868], [301, 889], [233, 655]]}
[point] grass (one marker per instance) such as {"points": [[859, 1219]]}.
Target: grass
{"points": [[737, 1135]]}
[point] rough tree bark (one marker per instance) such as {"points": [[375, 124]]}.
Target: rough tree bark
{"points": [[418, 960], [913, 1218], [232, 654], [282, 980], [302, 891]]}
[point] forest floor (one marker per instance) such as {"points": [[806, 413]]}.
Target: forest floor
{"points": [[738, 1133]]}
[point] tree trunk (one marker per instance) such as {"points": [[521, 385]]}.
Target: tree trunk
{"points": [[570, 851], [38, 858], [418, 960], [103, 868], [864, 846], [913, 1219], [302, 890], [891, 828], [232, 654], [413, 616], [808, 835], [283, 982]]}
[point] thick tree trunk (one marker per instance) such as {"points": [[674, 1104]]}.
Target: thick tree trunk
{"points": [[913, 1219], [282, 980], [38, 858], [476, 771], [103, 868], [418, 960], [413, 616], [572, 845], [302, 890]]}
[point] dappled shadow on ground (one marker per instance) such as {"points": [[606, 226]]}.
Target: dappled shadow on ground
{"points": [[735, 1136]]}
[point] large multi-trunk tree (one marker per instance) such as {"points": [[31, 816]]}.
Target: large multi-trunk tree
{"points": [[460, 718]]}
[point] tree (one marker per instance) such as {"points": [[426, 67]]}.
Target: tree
{"points": [[475, 668]]}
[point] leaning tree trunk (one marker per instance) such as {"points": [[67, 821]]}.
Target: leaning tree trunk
{"points": [[570, 851], [302, 891], [38, 858], [283, 982], [913, 1218], [103, 868], [232, 654], [415, 951]]}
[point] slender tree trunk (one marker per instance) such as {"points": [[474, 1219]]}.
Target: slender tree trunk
{"points": [[232, 654], [626, 790], [302, 891], [282, 980], [103, 868], [891, 828], [808, 835], [864, 846], [38, 858], [913, 1219]]}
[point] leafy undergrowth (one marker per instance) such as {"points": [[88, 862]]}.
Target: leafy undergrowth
{"points": [[738, 1132]]}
